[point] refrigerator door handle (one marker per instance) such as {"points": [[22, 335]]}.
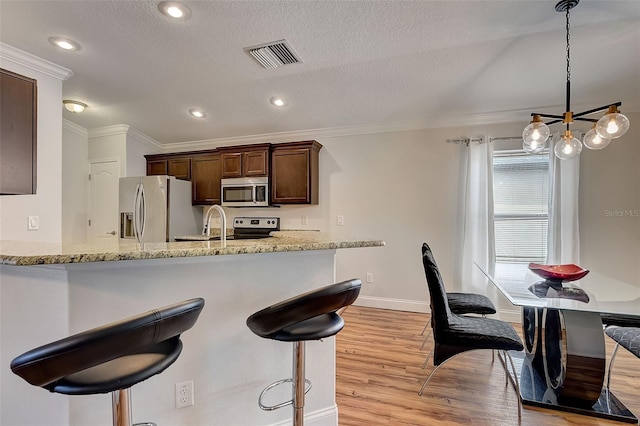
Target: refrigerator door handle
{"points": [[139, 213], [142, 213], [135, 212]]}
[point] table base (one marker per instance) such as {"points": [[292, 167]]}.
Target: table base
{"points": [[534, 391]]}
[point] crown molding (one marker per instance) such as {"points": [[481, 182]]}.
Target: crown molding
{"points": [[118, 129], [324, 133], [128, 131], [33, 62], [74, 128], [138, 136]]}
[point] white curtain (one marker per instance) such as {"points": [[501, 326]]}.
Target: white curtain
{"points": [[563, 240], [476, 242]]}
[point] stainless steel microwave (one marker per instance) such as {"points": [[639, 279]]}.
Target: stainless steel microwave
{"points": [[245, 192]]}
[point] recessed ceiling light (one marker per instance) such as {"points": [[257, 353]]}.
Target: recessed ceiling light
{"points": [[74, 106], [279, 102], [174, 10], [64, 43], [197, 113]]}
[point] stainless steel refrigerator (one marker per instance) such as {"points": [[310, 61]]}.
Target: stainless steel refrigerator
{"points": [[157, 209]]}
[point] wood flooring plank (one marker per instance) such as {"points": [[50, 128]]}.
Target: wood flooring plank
{"points": [[378, 375]]}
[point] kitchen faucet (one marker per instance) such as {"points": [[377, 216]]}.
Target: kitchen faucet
{"points": [[223, 223]]}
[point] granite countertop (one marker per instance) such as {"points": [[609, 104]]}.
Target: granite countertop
{"points": [[28, 253]]}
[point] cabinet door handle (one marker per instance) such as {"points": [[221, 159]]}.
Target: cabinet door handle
{"points": [[111, 233]]}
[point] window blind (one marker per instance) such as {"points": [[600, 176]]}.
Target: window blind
{"points": [[521, 215]]}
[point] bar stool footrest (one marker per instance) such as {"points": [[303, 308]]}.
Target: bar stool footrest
{"points": [[282, 404]]}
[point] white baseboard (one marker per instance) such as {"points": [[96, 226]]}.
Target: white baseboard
{"points": [[324, 417], [394, 304]]}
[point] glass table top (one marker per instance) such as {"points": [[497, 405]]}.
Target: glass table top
{"points": [[593, 293]]}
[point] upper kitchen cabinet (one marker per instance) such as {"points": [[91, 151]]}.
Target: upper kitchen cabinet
{"points": [[169, 164], [206, 172], [18, 124], [295, 172], [245, 160]]}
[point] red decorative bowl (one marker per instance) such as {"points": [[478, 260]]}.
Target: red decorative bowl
{"points": [[568, 272]]}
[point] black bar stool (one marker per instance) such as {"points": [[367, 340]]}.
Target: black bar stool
{"points": [[309, 316], [111, 358]]}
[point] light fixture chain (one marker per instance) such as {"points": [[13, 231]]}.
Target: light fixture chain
{"points": [[568, 49]]}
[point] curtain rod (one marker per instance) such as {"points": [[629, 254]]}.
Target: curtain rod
{"points": [[466, 141]]}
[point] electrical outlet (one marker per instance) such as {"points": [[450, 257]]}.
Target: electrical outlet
{"points": [[369, 277], [340, 220], [305, 220], [184, 394]]}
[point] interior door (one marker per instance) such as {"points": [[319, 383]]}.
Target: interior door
{"points": [[103, 211]]}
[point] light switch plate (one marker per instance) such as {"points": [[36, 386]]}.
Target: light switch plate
{"points": [[33, 223]]}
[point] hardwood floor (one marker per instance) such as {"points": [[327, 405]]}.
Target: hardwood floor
{"points": [[379, 374]]}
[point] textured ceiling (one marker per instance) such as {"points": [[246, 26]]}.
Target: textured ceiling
{"points": [[428, 63]]}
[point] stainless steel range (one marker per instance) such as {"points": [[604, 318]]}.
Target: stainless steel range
{"points": [[254, 227]]}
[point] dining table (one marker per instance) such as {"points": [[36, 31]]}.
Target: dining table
{"points": [[564, 362]]}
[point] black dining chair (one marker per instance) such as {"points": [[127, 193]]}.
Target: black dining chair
{"points": [[111, 358], [628, 338], [620, 320], [467, 303], [455, 334], [463, 304], [623, 330]]}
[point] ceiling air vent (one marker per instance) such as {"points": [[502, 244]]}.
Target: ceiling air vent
{"points": [[275, 54]]}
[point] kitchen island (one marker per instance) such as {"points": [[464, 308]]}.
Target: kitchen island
{"points": [[49, 291]]}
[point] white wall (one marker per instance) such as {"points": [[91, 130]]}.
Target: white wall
{"points": [[228, 364], [75, 183], [138, 145], [46, 203], [610, 206], [17, 292], [402, 187], [34, 310], [109, 142]]}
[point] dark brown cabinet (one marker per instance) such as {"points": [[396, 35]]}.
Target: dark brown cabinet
{"points": [[245, 160], [231, 164], [206, 172], [157, 167], [166, 165], [295, 173], [292, 167], [180, 168], [202, 168], [18, 124]]}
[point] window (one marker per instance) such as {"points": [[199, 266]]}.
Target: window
{"points": [[521, 213]]}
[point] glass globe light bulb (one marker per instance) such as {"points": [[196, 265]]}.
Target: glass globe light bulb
{"points": [[535, 135], [593, 140], [568, 147], [534, 147], [612, 125]]}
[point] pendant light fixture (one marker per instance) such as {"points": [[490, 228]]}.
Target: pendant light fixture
{"points": [[611, 126]]}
